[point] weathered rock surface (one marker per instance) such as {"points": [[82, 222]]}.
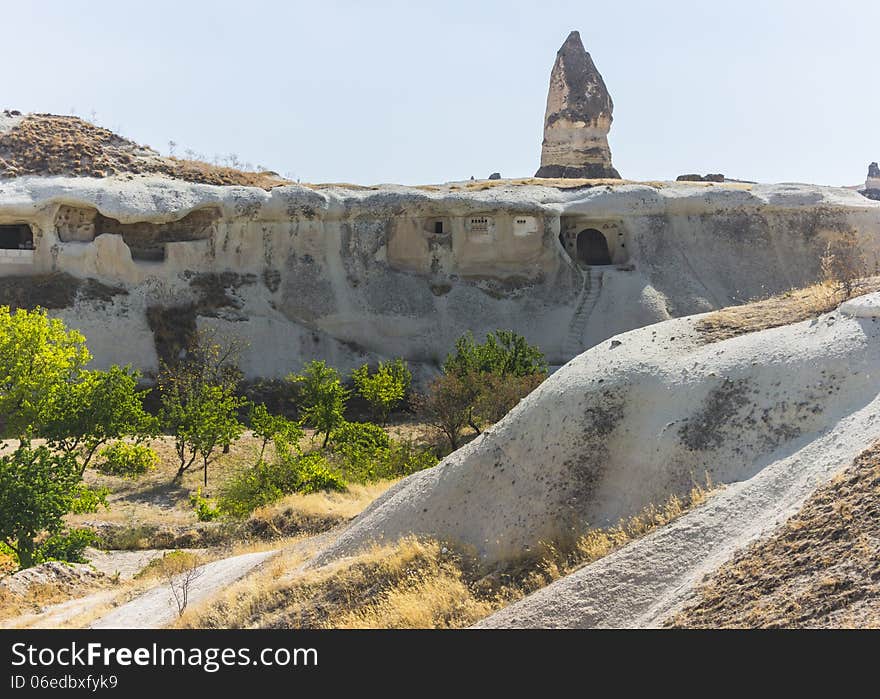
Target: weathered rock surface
{"points": [[578, 117], [872, 183], [770, 414], [356, 274]]}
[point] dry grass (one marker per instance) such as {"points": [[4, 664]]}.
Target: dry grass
{"points": [[37, 597], [819, 569], [790, 307], [48, 144], [413, 583]]}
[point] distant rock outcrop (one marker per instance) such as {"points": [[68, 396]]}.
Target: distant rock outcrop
{"points": [[873, 181], [578, 117], [711, 177]]}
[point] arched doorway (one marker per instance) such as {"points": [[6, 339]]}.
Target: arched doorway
{"points": [[592, 248]]}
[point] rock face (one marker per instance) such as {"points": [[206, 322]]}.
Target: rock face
{"points": [[623, 426], [873, 181], [578, 117], [353, 275]]}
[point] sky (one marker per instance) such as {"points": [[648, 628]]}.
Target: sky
{"points": [[419, 92]]}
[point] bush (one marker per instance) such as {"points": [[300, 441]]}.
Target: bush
{"points": [[843, 263], [363, 452], [127, 460], [359, 437], [265, 483], [315, 474], [67, 546], [206, 510]]}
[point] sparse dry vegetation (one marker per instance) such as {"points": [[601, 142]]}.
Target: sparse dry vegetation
{"points": [[790, 307], [820, 569], [414, 583], [48, 144]]}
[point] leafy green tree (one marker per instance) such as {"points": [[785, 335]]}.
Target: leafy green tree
{"points": [[38, 355], [37, 488], [504, 353], [322, 397], [202, 417], [278, 429], [385, 389], [101, 406]]}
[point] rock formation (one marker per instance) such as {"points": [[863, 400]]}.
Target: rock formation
{"points": [[629, 423], [354, 275], [578, 117], [873, 181]]}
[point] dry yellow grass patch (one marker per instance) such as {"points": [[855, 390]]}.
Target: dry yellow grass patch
{"points": [[342, 505], [413, 583], [790, 307], [37, 597]]}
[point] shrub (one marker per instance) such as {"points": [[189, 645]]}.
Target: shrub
{"points": [[843, 263], [206, 510], [265, 483], [171, 563], [127, 460], [315, 474], [386, 388], [68, 546], [360, 437], [363, 452]]}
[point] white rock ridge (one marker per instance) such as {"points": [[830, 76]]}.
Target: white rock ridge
{"points": [[630, 422], [357, 274]]}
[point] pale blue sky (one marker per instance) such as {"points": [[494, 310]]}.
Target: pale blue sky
{"points": [[368, 92]]}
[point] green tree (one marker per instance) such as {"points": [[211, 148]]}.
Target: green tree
{"points": [[274, 428], [37, 488], [38, 355], [202, 417], [101, 406], [322, 397], [504, 353], [385, 389]]}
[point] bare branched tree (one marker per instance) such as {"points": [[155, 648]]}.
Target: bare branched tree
{"points": [[180, 585], [843, 263]]}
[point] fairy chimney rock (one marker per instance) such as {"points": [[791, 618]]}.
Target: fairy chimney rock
{"points": [[578, 117], [873, 181]]}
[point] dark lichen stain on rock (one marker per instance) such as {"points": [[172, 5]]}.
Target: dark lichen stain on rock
{"points": [[706, 430], [53, 291], [601, 416], [217, 289]]}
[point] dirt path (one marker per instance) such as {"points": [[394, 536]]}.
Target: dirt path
{"points": [[157, 608], [646, 582]]}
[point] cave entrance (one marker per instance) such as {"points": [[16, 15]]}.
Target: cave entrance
{"points": [[592, 248], [16, 237]]}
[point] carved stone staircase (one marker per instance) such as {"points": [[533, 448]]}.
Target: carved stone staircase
{"points": [[592, 287]]}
